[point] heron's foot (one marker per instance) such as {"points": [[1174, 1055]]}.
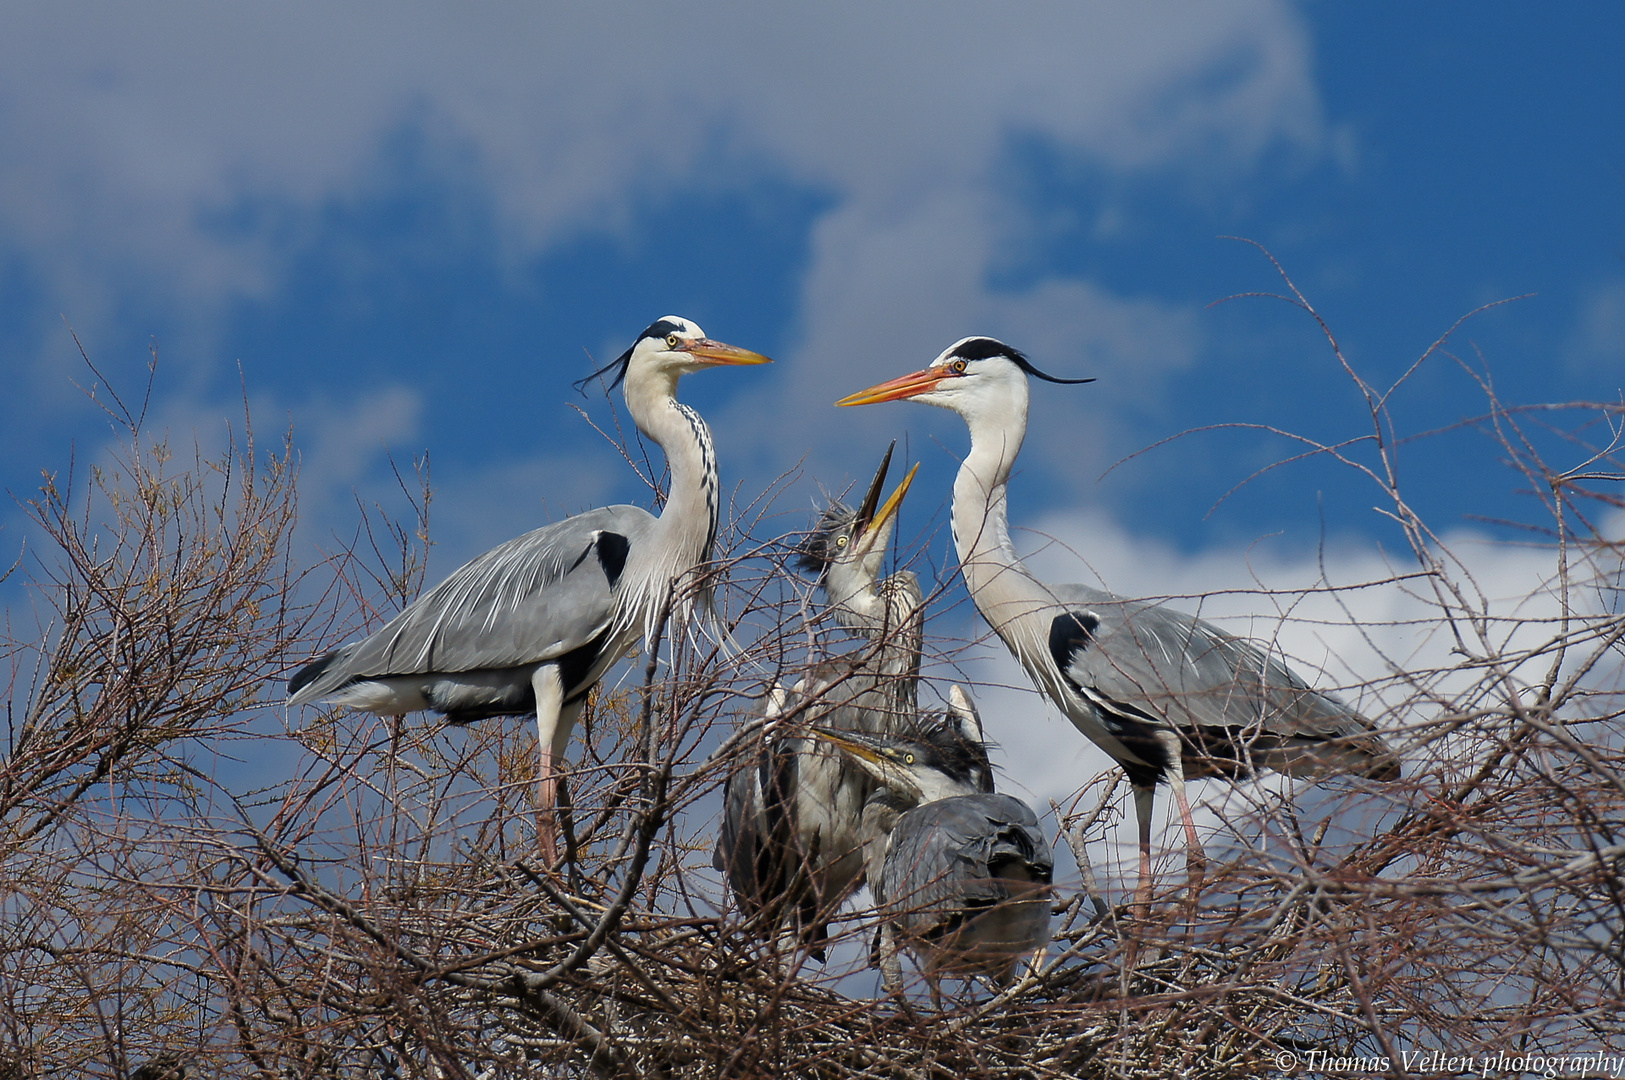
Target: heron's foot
{"points": [[890, 962], [893, 991]]}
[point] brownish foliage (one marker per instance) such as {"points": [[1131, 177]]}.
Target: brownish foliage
{"points": [[358, 895]]}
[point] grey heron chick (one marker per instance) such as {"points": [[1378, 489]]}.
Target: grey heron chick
{"points": [[531, 625], [791, 844], [961, 873], [1165, 694]]}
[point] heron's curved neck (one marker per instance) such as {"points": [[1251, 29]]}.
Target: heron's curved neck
{"points": [[999, 583], [687, 526], [891, 614]]}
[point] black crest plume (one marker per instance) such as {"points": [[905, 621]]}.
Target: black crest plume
{"points": [[959, 757], [817, 550], [660, 328], [985, 348]]}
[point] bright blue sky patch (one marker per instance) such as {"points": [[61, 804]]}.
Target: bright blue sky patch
{"points": [[407, 228]]}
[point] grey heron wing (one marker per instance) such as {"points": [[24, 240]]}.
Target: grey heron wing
{"points": [[756, 849], [744, 831], [1165, 664], [954, 853], [534, 598]]}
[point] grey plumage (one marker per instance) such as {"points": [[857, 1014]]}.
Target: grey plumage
{"points": [[966, 882], [531, 625], [961, 875], [169, 1065], [792, 843], [1144, 667], [469, 646], [1158, 690]]}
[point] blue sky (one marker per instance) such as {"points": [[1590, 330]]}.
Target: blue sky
{"points": [[407, 223], [407, 234]]}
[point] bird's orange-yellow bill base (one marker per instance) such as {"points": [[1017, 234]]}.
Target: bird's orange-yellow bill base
{"points": [[858, 749], [720, 353]]}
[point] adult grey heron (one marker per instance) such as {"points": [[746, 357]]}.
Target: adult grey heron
{"points": [[791, 845], [962, 873], [531, 625], [1165, 694]]}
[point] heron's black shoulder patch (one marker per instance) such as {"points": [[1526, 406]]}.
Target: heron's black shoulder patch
{"points": [[612, 550], [1069, 634]]}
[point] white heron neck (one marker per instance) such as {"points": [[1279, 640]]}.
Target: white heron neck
{"points": [[687, 526], [935, 786], [1000, 585], [874, 608], [980, 513]]}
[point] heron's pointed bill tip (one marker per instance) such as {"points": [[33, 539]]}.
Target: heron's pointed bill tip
{"points": [[897, 389]]}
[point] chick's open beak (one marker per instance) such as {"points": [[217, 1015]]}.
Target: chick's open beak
{"points": [[883, 516]]}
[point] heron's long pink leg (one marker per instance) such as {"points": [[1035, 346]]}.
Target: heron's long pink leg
{"points": [[549, 704], [1195, 860], [1144, 800]]}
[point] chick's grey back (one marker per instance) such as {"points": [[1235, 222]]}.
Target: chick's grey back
{"points": [[962, 854]]}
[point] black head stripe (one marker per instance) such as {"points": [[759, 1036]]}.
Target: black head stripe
{"points": [[661, 328], [985, 348]]}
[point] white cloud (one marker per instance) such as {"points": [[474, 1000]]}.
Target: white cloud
{"points": [[128, 125], [133, 131]]}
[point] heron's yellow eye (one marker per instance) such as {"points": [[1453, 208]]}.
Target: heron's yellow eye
{"points": [[672, 341], [958, 367], [840, 541], [908, 759]]}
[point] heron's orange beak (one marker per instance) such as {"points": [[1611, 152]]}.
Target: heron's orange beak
{"points": [[716, 352], [897, 389], [873, 758]]}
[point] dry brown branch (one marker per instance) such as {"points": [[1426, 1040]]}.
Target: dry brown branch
{"points": [[195, 878]]}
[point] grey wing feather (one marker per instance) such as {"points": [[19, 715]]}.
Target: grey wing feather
{"points": [[947, 856], [742, 847], [534, 598], [1170, 665]]}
